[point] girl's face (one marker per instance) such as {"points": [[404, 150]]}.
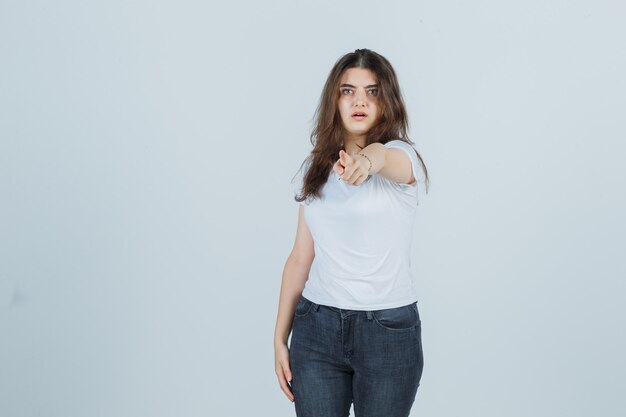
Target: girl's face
{"points": [[358, 102]]}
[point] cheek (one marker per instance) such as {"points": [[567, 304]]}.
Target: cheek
{"points": [[375, 111], [344, 108]]}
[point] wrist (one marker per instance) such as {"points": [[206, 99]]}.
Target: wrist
{"points": [[365, 161]]}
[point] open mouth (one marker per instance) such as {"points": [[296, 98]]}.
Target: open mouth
{"points": [[359, 115]]}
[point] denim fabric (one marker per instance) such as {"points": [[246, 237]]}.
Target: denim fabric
{"points": [[372, 358]]}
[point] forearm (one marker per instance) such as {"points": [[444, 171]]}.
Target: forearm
{"points": [[375, 153], [295, 275]]}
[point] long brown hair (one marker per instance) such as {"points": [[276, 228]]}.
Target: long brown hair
{"points": [[326, 136]]}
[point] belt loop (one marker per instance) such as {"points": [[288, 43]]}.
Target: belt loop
{"points": [[316, 306], [369, 314]]}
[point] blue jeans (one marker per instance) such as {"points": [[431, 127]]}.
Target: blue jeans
{"points": [[372, 358]]}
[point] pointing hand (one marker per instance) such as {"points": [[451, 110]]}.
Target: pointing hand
{"points": [[351, 169]]}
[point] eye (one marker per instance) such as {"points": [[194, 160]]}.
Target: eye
{"points": [[373, 91], [343, 91]]}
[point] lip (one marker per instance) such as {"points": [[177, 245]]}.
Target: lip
{"points": [[361, 115]]}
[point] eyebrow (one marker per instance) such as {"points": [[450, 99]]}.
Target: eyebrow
{"points": [[350, 85]]}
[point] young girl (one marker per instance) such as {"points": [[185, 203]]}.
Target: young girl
{"points": [[347, 294]]}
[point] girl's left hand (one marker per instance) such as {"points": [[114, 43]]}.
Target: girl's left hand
{"points": [[351, 169]]}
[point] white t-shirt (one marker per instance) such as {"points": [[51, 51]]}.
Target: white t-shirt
{"points": [[362, 240]]}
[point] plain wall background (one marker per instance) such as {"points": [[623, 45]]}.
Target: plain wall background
{"points": [[146, 154]]}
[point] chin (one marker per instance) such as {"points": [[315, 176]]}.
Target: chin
{"points": [[362, 131]]}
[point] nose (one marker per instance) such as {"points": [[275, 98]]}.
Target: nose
{"points": [[359, 98]]}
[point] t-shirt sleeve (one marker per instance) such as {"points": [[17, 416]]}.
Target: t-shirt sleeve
{"points": [[416, 165], [408, 192]]}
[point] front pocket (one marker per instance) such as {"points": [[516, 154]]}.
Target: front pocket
{"points": [[397, 319]]}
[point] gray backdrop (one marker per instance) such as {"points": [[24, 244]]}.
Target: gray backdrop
{"points": [[146, 154]]}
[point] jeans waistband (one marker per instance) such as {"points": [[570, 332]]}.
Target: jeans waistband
{"points": [[343, 312]]}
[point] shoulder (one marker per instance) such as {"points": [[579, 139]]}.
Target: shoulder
{"points": [[405, 148], [397, 143]]}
